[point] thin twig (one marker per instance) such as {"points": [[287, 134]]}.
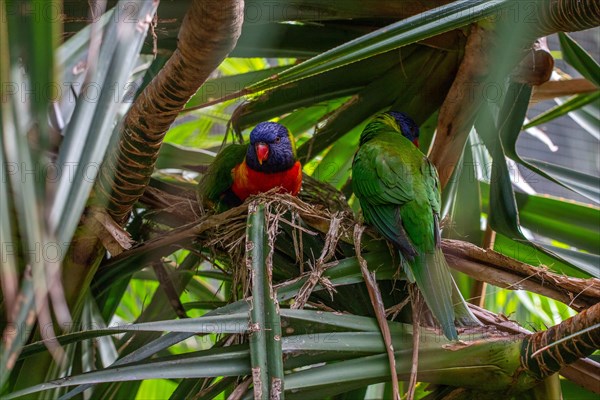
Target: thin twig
{"points": [[479, 289], [377, 303], [320, 266], [240, 390], [416, 315], [395, 309]]}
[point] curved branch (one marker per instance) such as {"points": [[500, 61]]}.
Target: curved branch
{"points": [[505, 272], [209, 32]]}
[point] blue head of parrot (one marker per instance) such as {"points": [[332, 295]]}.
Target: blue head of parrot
{"points": [[271, 148], [407, 125]]}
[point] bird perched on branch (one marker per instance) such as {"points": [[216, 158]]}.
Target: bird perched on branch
{"points": [[399, 193], [242, 170]]}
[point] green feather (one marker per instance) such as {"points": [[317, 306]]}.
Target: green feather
{"points": [[399, 194], [217, 180]]}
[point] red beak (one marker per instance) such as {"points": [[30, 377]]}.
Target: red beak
{"points": [[262, 151], [416, 142]]}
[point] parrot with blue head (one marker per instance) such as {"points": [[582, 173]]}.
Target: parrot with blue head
{"points": [[241, 170], [399, 193]]}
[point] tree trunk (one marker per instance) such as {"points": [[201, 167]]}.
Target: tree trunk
{"points": [[209, 32], [541, 357]]}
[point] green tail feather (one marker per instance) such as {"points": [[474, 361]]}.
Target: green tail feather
{"points": [[464, 316], [432, 275]]}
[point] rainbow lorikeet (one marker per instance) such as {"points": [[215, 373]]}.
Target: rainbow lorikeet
{"points": [[241, 170], [399, 193]]}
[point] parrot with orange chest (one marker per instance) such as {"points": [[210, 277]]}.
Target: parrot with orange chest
{"points": [[242, 170]]}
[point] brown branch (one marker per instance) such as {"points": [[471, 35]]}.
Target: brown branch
{"points": [[569, 87], [509, 273], [584, 372], [485, 265], [209, 32], [169, 288], [459, 110], [379, 308]]}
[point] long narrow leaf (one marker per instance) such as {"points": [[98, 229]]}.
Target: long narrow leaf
{"points": [[93, 122], [503, 211], [572, 104], [579, 182], [159, 344], [410, 30], [580, 59], [25, 170], [571, 223], [234, 362]]}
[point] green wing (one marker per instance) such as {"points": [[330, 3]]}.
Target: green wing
{"points": [[383, 180], [217, 180], [398, 189]]}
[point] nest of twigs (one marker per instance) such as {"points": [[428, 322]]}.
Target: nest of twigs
{"points": [[313, 231]]}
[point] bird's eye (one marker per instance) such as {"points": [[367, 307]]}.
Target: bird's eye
{"points": [[277, 139]]}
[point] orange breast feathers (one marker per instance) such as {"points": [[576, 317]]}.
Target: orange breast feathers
{"points": [[247, 181]]}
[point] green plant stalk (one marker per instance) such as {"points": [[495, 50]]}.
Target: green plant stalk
{"points": [[255, 262], [549, 388], [484, 364], [265, 326]]}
